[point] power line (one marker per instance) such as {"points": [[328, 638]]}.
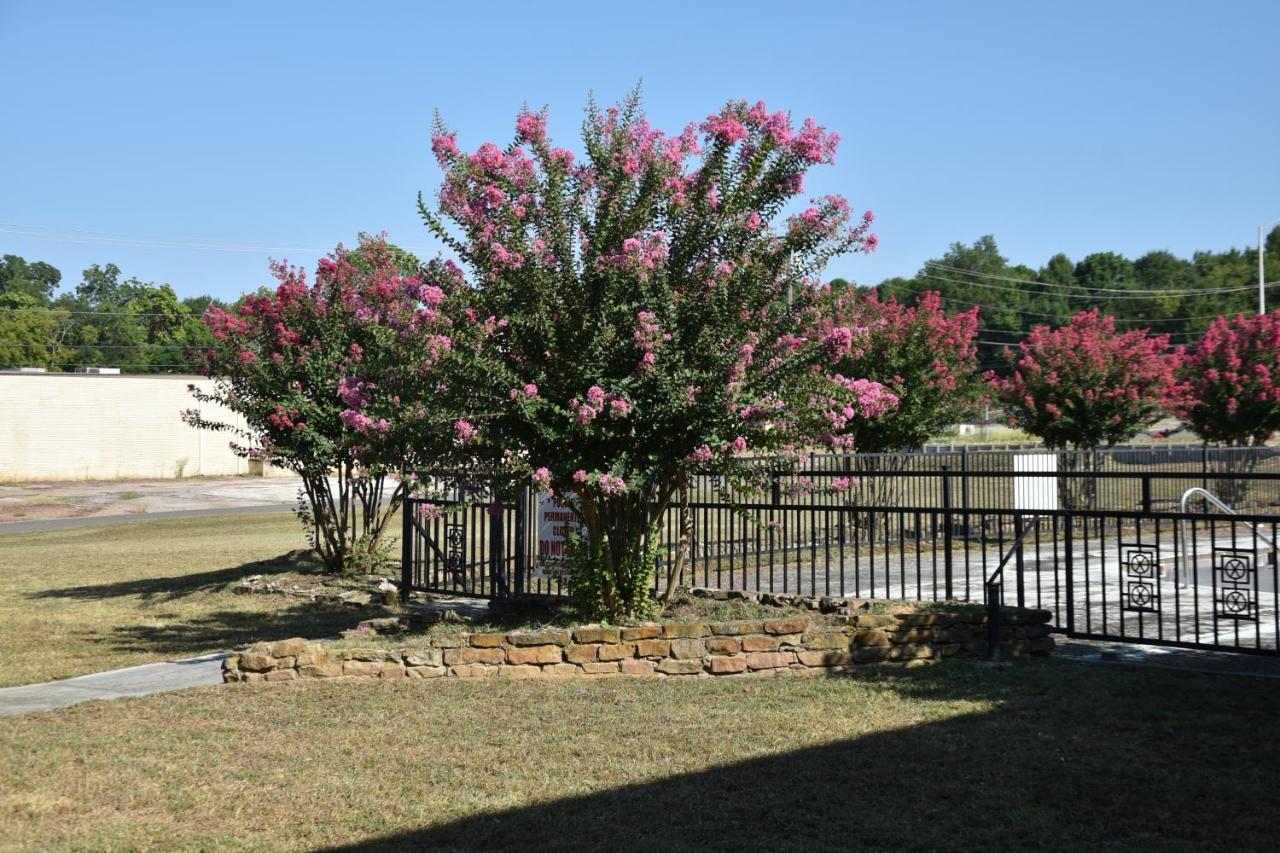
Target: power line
{"points": [[1184, 292], [1083, 295], [1058, 317], [1021, 335]]}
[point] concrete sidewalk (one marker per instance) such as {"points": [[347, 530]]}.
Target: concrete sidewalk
{"points": [[1166, 657], [98, 520], [115, 684], [22, 503]]}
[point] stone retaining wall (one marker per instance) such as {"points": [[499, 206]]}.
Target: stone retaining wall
{"points": [[762, 647]]}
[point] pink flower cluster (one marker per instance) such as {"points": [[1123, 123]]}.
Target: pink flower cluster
{"points": [[596, 403], [640, 255], [465, 432], [362, 423], [608, 484], [649, 337], [531, 127]]}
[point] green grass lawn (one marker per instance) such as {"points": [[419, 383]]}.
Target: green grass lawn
{"points": [[87, 599], [1048, 756]]}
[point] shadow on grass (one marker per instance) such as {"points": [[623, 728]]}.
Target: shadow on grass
{"points": [[1052, 767], [226, 629], [175, 586]]}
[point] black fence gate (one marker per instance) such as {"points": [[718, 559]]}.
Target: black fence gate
{"points": [[469, 540]]}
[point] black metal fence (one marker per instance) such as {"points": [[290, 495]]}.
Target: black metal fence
{"points": [[1134, 565], [1118, 478], [1200, 579]]}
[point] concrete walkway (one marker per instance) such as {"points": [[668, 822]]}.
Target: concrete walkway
{"points": [[22, 503], [116, 684], [1166, 657], [100, 520]]}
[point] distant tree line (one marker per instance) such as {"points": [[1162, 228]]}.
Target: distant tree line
{"points": [[1159, 291], [104, 321]]}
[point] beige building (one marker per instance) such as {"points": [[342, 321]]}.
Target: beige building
{"points": [[66, 426]]}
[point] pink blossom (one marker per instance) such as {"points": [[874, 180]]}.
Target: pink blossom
{"points": [[724, 127], [611, 485], [542, 480], [444, 146], [465, 431], [839, 341], [531, 126], [700, 455]]}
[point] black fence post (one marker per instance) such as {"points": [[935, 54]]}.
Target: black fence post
{"points": [[498, 584], [1204, 466], [1146, 493], [406, 548], [947, 524], [522, 544], [1070, 571], [995, 593], [1018, 560]]}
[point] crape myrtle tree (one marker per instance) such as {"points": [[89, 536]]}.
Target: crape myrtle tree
{"points": [[333, 381], [646, 315], [1084, 386], [925, 356], [1231, 394]]}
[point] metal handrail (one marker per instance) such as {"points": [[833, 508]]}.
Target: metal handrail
{"points": [[1196, 491]]}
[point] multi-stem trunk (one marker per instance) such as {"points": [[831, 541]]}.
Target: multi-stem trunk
{"points": [[348, 514], [617, 530]]}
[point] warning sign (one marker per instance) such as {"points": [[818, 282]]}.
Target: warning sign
{"points": [[556, 521]]}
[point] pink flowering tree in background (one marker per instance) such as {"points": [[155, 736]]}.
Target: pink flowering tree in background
{"points": [[926, 357], [646, 313], [334, 380], [1231, 395], [1084, 386]]}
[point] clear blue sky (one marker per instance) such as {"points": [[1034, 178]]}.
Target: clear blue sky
{"points": [[1072, 127]]}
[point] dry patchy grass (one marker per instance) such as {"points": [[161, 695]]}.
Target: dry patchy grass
{"points": [[86, 599], [1049, 757]]}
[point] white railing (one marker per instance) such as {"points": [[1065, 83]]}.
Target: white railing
{"points": [[1210, 497]]}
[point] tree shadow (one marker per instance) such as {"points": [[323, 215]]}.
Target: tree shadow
{"points": [[1041, 771], [225, 629], [173, 587]]}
